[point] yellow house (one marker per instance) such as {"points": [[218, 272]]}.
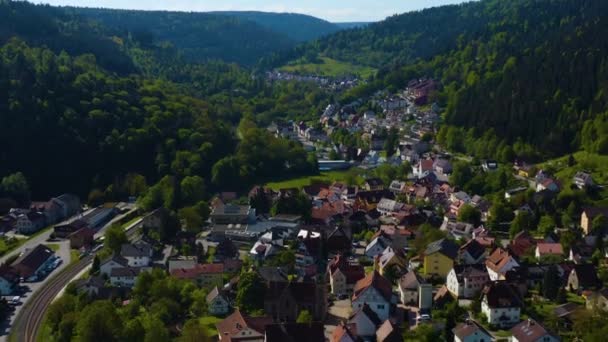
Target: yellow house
{"points": [[439, 258], [589, 215]]}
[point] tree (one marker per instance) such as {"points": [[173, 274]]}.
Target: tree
{"points": [[285, 258], [155, 329], [304, 317], [96, 197], [500, 212], [192, 189], [551, 283], [16, 187], [599, 224], [194, 331], [546, 225], [461, 174], [469, 214], [193, 218], [135, 184], [97, 322], [95, 266], [115, 238], [522, 221], [250, 292]]}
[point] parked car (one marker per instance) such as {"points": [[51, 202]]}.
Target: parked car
{"points": [[16, 300], [343, 296], [423, 318]]}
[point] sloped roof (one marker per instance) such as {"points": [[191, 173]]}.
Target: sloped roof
{"points": [[295, 332], [474, 248], [501, 294], [237, 322], [529, 331], [468, 328], [443, 246], [367, 311], [388, 332], [375, 280], [411, 280], [586, 274], [34, 258], [464, 271], [344, 329], [545, 248], [139, 249], [498, 259]]}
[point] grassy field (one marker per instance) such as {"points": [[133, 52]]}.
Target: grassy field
{"points": [[596, 164], [323, 177], [328, 67]]}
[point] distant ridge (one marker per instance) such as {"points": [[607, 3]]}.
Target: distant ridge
{"points": [[299, 27]]}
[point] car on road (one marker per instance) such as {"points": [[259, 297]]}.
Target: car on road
{"points": [[343, 296]]}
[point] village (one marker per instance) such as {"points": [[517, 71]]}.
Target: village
{"points": [[374, 260]]}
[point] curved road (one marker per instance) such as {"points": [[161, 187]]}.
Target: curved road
{"points": [[28, 322]]}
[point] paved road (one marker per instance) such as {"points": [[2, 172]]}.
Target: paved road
{"points": [[30, 318], [24, 321], [40, 239]]}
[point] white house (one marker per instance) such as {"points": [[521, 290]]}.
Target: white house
{"points": [[408, 287], [138, 254], [377, 246], [125, 276], [501, 304], [375, 291], [366, 320], [217, 304], [106, 266], [466, 281], [498, 263]]}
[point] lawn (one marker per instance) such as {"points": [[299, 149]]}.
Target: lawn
{"points": [[74, 256], [596, 164], [323, 177], [209, 324], [6, 246], [328, 67], [131, 221], [53, 246]]}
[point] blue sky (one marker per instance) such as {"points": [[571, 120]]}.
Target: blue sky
{"points": [[333, 10]]}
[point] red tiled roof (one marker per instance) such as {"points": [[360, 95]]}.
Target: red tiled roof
{"points": [[546, 248], [237, 322], [199, 269], [498, 259], [375, 280], [344, 329]]}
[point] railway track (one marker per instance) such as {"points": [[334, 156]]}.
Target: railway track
{"points": [[28, 322]]}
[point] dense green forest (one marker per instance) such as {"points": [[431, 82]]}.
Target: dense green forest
{"points": [[59, 31], [198, 36], [531, 73], [299, 27]]}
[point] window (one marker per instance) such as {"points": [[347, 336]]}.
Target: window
{"points": [[380, 306]]}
